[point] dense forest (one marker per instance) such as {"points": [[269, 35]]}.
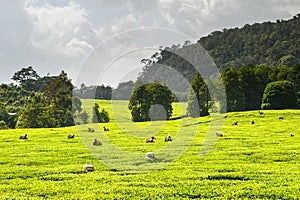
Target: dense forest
{"points": [[268, 43]]}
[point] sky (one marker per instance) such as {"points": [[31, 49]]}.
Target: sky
{"points": [[103, 41]]}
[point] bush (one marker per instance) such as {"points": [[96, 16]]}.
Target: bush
{"points": [[3, 125], [101, 117], [280, 95]]}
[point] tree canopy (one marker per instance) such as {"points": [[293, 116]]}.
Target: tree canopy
{"points": [[152, 101], [279, 95]]}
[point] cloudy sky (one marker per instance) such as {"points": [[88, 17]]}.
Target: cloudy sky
{"points": [[103, 41]]}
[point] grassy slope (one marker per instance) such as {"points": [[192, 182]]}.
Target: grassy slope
{"points": [[250, 161]]}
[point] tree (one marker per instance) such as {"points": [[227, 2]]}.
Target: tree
{"points": [[279, 95], [36, 114], [101, 117], [146, 97], [59, 95], [289, 60], [198, 98], [25, 74], [234, 93], [3, 125], [96, 114], [27, 77], [251, 89], [103, 92]]}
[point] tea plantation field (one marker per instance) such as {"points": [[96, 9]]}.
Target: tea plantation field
{"points": [[250, 161]]}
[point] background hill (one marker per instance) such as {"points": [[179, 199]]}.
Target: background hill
{"points": [[268, 43]]}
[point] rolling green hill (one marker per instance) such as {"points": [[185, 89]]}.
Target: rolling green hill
{"points": [[258, 160], [268, 43]]}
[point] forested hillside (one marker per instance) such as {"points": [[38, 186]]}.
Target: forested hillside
{"points": [[268, 43], [248, 58]]}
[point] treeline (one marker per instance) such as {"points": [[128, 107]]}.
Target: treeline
{"points": [[93, 92], [36, 102], [122, 92], [256, 87]]}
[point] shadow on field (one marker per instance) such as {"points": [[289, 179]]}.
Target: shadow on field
{"points": [[197, 123]]}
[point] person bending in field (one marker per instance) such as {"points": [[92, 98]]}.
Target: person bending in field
{"points": [[97, 143], [150, 140], [219, 134], [168, 138], [71, 136], [91, 130], [23, 137]]}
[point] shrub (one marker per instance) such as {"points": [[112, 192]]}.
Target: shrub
{"points": [[3, 125], [279, 95]]}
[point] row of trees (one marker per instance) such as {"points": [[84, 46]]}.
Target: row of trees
{"points": [[93, 92], [42, 102], [122, 92], [245, 88]]}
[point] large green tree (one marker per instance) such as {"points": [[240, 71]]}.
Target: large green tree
{"points": [[145, 100], [234, 93], [280, 95], [36, 114], [27, 78], [198, 98], [59, 95]]}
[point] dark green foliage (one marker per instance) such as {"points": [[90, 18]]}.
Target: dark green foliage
{"points": [[53, 108], [99, 117], [93, 92], [59, 95], [267, 43], [25, 74], [3, 125], [289, 60], [8, 115], [103, 116], [103, 92], [234, 92], [245, 87], [96, 113], [145, 100], [198, 103], [279, 95], [36, 114], [253, 82]]}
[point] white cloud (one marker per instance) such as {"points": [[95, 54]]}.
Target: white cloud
{"points": [[65, 31], [192, 17], [51, 34], [76, 48], [291, 7]]}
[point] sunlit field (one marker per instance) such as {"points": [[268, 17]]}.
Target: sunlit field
{"points": [[260, 160]]}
